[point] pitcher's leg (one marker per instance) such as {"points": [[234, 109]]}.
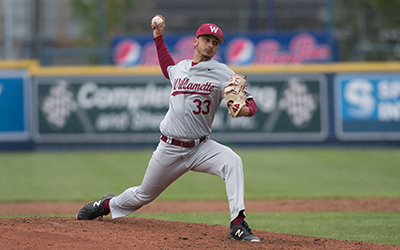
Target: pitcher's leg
{"points": [[217, 159], [157, 178], [234, 184]]}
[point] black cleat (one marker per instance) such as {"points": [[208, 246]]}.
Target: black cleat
{"points": [[93, 210], [242, 231]]}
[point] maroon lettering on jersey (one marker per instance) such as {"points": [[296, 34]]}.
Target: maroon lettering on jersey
{"points": [[183, 86]]}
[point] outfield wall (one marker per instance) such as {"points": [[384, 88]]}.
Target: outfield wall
{"points": [[318, 104]]}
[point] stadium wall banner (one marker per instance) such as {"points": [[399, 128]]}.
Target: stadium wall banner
{"points": [[367, 106], [238, 50], [289, 108], [14, 105], [115, 109]]}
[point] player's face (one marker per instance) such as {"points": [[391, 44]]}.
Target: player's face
{"points": [[206, 46]]}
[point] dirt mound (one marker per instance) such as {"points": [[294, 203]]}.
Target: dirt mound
{"points": [[136, 233]]}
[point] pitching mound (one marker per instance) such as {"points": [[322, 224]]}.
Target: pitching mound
{"points": [[136, 233]]}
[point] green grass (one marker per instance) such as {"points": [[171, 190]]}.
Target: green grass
{"points": [[322, 173], [270, 173], [69, 176]]}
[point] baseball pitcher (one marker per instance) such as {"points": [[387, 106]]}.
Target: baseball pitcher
{"points": [[198, 87]]}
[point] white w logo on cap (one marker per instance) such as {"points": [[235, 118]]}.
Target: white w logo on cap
{"points": [[213, 29]]}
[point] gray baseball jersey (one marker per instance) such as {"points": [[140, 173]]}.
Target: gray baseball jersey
{"points": [[195, 98], [196, 94]]}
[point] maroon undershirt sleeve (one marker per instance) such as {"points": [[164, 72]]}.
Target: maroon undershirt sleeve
{"points": [[164, 58], [251, 104]]}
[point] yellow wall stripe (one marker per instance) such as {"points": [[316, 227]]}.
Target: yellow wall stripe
{"points": [[37, 70]]}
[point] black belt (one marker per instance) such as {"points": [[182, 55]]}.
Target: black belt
{"points": [[185, 144]]}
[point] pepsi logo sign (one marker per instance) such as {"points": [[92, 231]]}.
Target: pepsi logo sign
{"points": [[127, 53], [240, 51]]}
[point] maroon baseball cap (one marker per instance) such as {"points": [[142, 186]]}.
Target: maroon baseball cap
{"points": [[210, 29]]}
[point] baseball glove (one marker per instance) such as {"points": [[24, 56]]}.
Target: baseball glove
{"points": [[234, 94]]}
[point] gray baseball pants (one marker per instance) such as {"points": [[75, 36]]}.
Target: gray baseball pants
{"points": [[169, 162]]}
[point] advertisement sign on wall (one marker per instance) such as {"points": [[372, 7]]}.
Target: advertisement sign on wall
{"points": [[130, 109], [367, 106], [238, 50], [99, 109], [14, 101], [289, 108]]}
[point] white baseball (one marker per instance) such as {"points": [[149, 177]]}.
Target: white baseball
{"points": [[157, 21]]}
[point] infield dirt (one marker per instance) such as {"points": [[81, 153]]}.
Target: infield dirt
{"points": [[136, 233]]}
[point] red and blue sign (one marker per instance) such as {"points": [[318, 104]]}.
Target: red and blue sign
{"points": [[238, 50]]}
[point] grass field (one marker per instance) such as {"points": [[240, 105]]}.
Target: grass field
{"points": [[272, 173]]}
